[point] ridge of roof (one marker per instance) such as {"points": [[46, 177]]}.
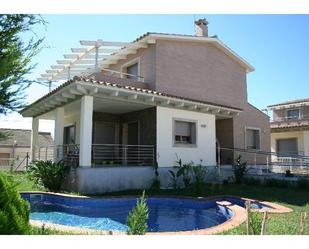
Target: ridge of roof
{"points": [[296, 101]]}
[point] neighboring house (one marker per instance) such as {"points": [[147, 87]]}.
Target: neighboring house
{"points": [[157, 99], [290, 127], [15, 149]]}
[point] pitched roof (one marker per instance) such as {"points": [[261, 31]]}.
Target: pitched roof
{"points": [[23, 138], [211, 39], [130, 88], [290, 102]]}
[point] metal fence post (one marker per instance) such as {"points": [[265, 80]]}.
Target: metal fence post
{"points": [[27, 160], [219, 161]]}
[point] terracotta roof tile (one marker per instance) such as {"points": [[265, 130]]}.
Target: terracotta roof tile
{"points": [[131, 88]]}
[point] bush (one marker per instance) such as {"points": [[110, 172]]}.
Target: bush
{"points": [[256, 223], [252, 181], [156, 183], [240, 169], [174, 179], [277, 183], [303, 183], [199, 174], [137, 218], [48, 174], [14, 211]]}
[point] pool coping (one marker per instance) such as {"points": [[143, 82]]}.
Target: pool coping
{"points": [[238, 217]]}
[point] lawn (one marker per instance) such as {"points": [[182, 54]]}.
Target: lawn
{"points": [[296, 199]]}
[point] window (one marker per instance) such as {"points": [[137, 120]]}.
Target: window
{"points": [[132, 70], [184, 132], [69, 134], [287, 145], [253, 139], [293, 114]]}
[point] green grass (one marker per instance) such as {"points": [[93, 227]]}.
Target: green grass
{"points": [[296, 199], [23, 183]]}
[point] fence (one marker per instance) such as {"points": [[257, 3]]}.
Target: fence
{"points": [[18, 163], [262, 162]]}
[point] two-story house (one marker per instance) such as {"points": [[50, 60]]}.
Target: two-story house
{"points": [[290, 127], [160, 98]]}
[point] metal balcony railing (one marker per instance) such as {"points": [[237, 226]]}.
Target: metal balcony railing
{"points": [[122, 155], [102, 154]]}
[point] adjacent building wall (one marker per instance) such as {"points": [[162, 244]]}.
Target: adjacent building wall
{"points": [[205, 149]]}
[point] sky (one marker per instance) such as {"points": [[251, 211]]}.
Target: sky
{"points": [[276, 45]]}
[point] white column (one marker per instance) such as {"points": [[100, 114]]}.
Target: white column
{"points": [[58, 139], [34, 136], [306, 143], [85, 134]]}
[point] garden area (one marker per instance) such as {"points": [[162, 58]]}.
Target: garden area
{"points": [[286, 223]]}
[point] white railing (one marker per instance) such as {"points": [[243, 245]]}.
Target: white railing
{"points": [[265, 161]]}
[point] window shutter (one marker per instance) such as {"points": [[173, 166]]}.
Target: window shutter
{"points": [[182, 129]]}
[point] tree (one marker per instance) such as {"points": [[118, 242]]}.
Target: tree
{"points": [[137, 218], [15, 59]]}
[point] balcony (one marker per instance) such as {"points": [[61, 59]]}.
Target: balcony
{"points": [[119, 78], [103, 155], [289, 122]]}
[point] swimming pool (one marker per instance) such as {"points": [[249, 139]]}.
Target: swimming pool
{"points": [[165, 214]]}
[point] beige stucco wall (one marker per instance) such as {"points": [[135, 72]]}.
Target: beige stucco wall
{"points": [[284, 135]]}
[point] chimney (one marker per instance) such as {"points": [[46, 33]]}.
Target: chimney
{"points": [[201, 28]]}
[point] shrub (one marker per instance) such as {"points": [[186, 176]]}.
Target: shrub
{"points": [[303, 183], [199, 174], [174, 179], [184, 170], [240, 169], [137, 218], [14, 211], [156, 183], [288, 173], [276, 183], [256, 223], [252, 181], [48, 174]]}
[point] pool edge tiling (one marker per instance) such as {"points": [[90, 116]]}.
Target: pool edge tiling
{"points": [[237, 218]]}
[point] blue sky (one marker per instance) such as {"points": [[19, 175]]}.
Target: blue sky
{"points": [[276, 45]]}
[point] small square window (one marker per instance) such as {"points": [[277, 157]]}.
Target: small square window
{"points": [[253, 139], [184, 132], [132, 71]]}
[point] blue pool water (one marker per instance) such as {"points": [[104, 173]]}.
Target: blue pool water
{"points": [[165, 214]]}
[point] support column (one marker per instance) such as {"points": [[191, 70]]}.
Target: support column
{"points": [[85, 131], [34, 136], [306, 143], [58, 139]]}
